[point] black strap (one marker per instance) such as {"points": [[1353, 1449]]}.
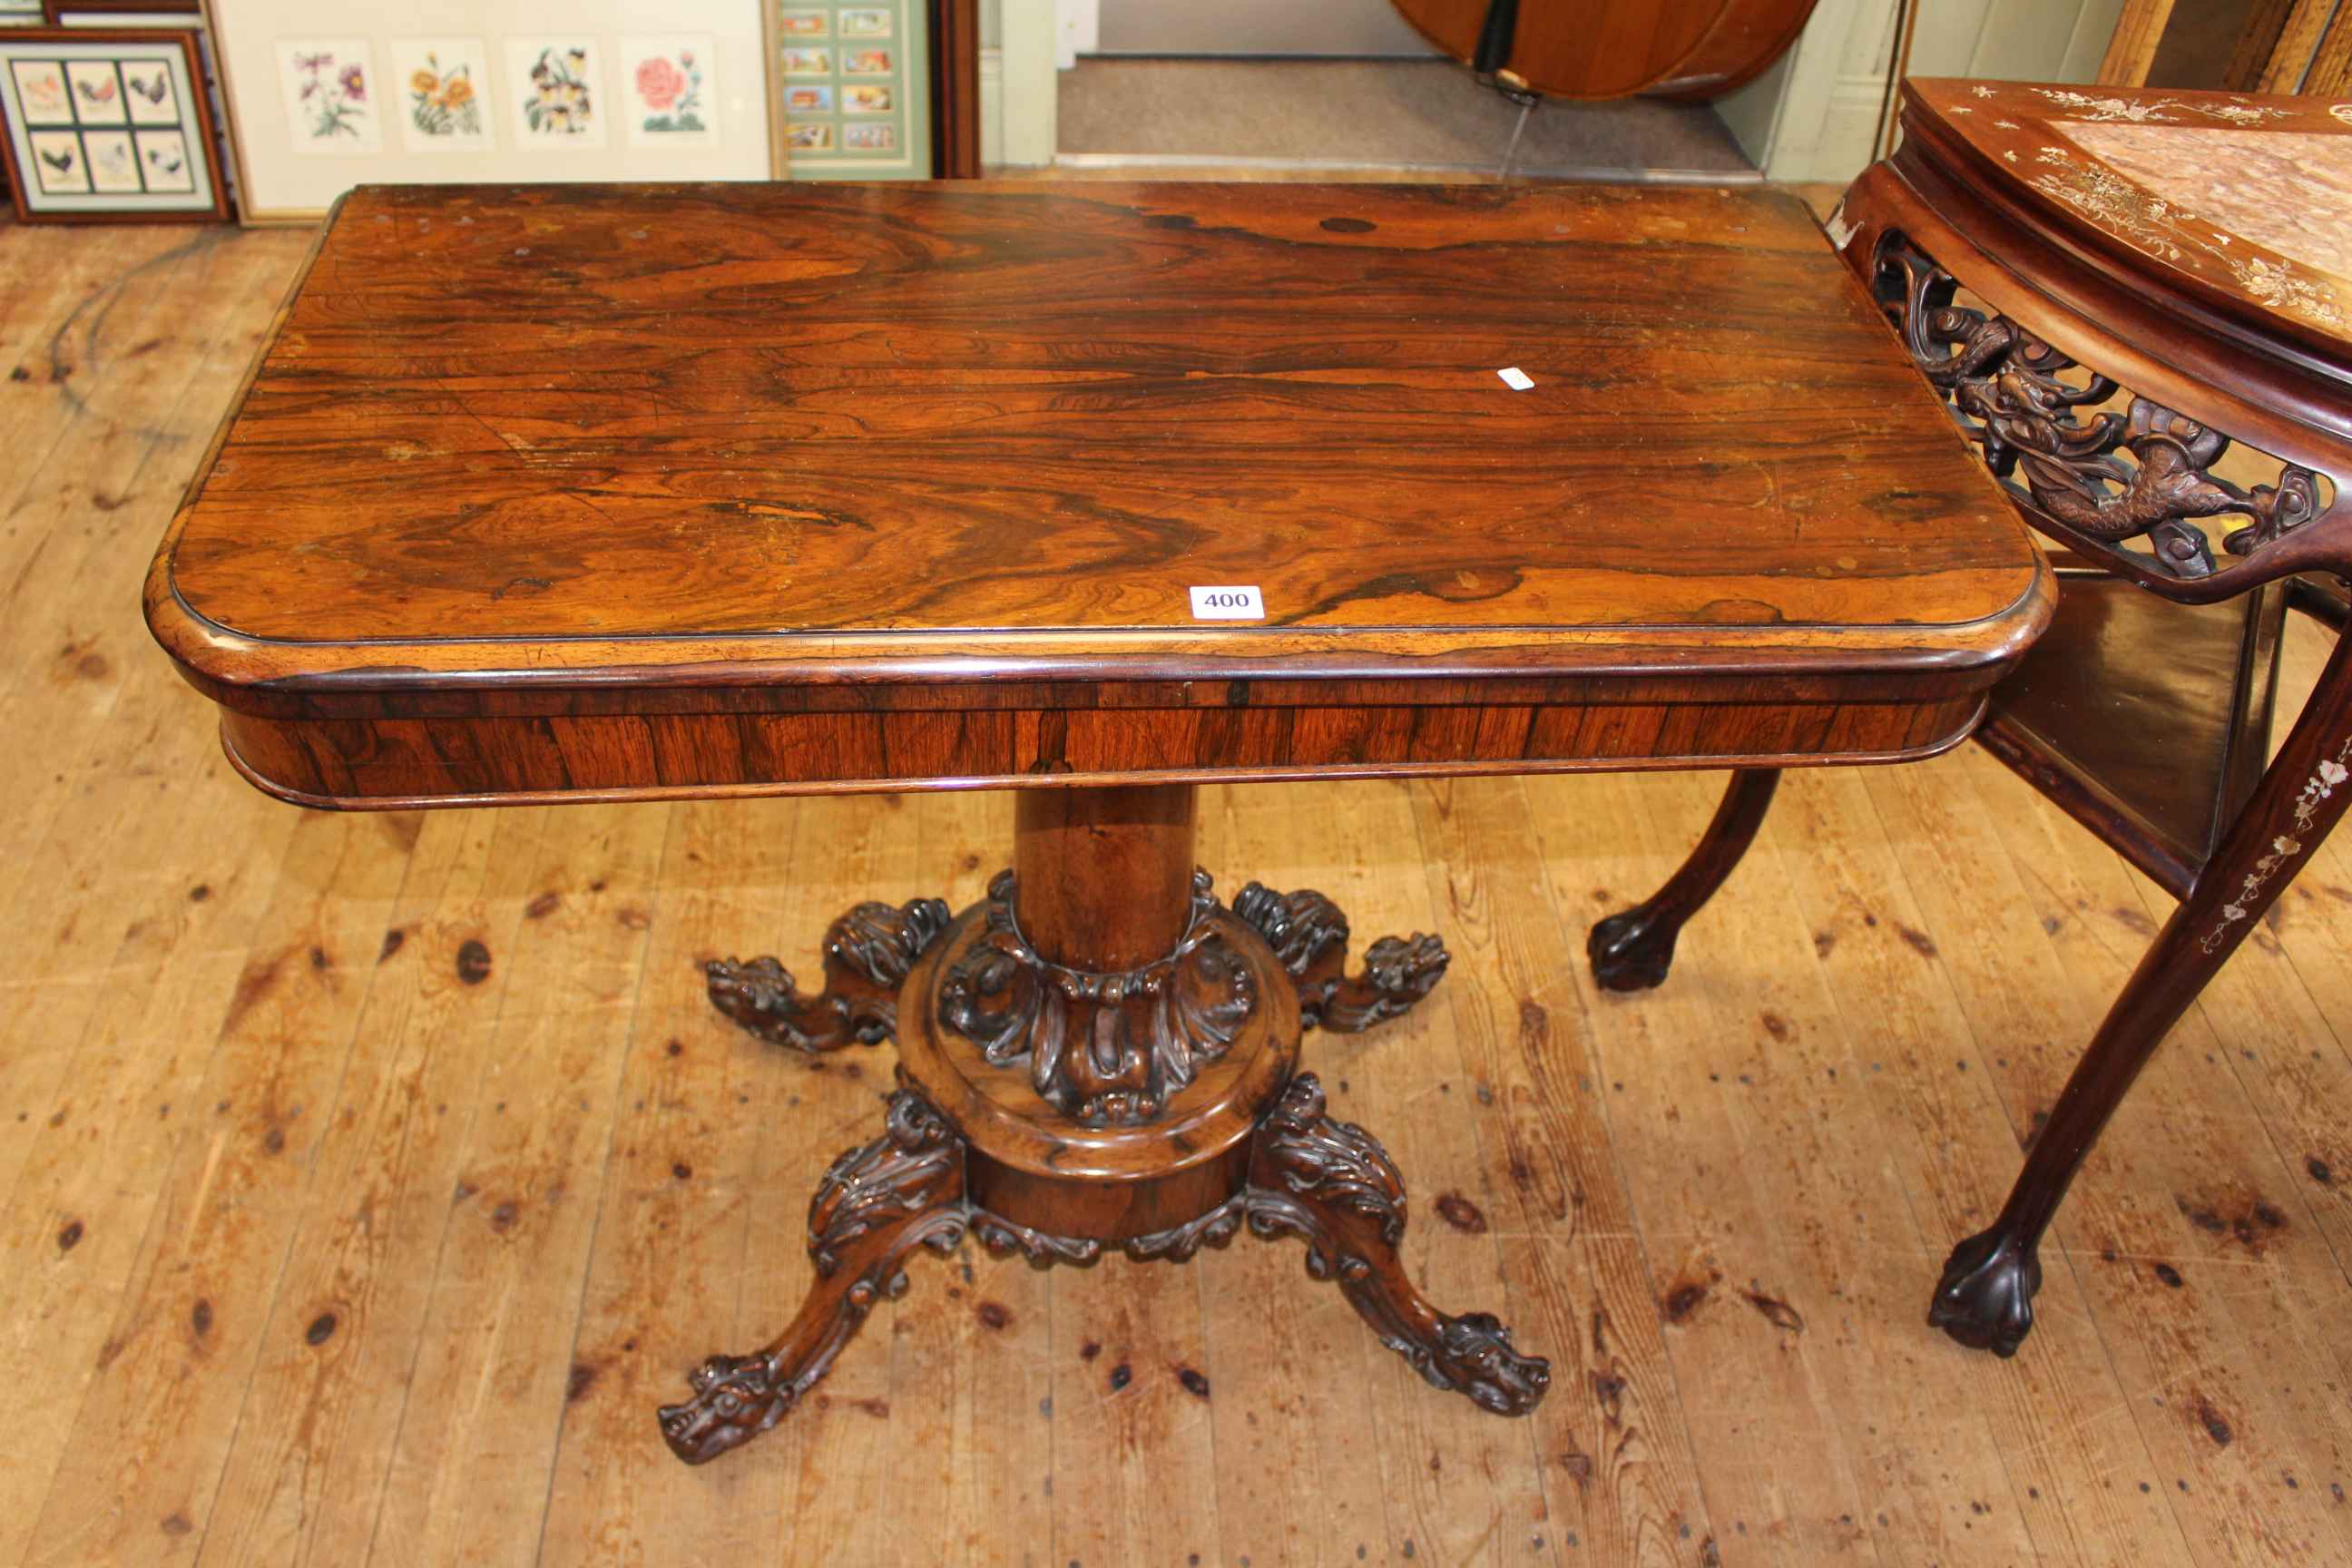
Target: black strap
{"points": [[1495, 35]]}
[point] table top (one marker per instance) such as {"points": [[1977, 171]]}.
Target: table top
{"points": [[2242, 200], [860, 486], [841, 430]]}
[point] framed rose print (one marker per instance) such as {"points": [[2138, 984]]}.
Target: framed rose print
{"points": [[667, 85], [107, 125]]}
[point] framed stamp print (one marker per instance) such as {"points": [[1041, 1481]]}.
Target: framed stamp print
{"points": [[107, 125], [853, 97]]}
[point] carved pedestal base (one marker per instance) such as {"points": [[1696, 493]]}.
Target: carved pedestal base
{"points": [[1062, 1113]]}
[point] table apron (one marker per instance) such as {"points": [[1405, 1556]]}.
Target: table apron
{"points": [[472, 760]]}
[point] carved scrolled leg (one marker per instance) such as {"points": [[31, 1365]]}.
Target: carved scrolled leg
{"points": [[1331, 1184], [1985, 1298], [875, 1206], [1309, 935], [1634, 949], [867, 952]]}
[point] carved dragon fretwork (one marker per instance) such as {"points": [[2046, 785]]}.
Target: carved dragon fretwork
{"points": [[2009, 397], [1103, 1048]]}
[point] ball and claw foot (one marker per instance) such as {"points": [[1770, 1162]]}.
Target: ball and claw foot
{"points": [[1985, 1299], [1633, 950], [867, 952], [1309, 937]]}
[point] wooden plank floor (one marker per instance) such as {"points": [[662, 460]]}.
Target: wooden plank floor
{"points": [[367, 1180]]}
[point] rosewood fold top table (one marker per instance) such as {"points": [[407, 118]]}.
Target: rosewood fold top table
{"points": [[595, 493]]}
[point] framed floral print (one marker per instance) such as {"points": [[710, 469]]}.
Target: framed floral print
{"points": [[332, 97], [668, 87], [559, 91], [107, 125], [442, 85], [326, 94]]}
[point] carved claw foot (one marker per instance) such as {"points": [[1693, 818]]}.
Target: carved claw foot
{"points": [[1331, 1184], [875, 1206], [1985, 1299], [1633, 950], [867, 952], [1309, 935]]}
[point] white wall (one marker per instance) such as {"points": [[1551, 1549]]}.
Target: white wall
{"points": [[1029, 34], [1814, 115]]}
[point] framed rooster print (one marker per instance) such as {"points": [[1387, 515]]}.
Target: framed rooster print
{"points": [[108, 125]]}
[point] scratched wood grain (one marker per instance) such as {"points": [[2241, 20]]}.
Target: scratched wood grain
{"points": [[150, 894], [663, 490]]}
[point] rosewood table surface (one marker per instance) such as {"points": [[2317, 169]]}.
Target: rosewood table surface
{"points": [[560, 493], [743, 488]]}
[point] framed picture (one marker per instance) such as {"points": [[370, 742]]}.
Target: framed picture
{"points": [[667, 85], [58, 10], [107, 125], [328, 94], [853, 88]]}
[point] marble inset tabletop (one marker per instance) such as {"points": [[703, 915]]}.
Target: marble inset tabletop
{"points": [[2251, 195]]}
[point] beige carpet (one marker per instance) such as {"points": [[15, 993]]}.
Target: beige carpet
{"points": [[1411, 113]]}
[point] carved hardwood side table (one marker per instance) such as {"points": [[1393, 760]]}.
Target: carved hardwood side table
{"points": [[2110, 288], [577, 493]]}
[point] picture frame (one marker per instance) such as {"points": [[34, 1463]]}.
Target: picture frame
{"points": [[57, 11], [852, 94], [499, 91], [108, 125]]}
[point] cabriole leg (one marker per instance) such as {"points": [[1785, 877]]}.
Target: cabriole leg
{"points": [[1985, 1299], [1309, 935], [875, 1204], [867, 952], [1331, 1184], [1633, 950]]}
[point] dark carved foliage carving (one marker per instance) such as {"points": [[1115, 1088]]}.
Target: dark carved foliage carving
{"points": [[1104, 1049], [1331, 1184], [867, 954], [1178, 1244], [2009, 395], [1309, 935], [1004, 1237], [902, 1173]]}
